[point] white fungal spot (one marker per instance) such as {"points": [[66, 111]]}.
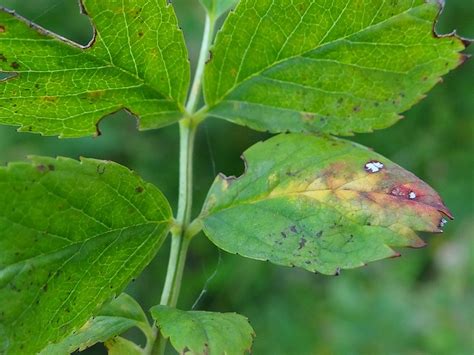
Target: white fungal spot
{"points": [[443, 222], [412, 195], [373, 166]]}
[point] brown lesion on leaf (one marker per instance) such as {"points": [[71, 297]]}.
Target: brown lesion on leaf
{"points": [[139, 189], [3, 58], [3, 29], [15, 65], [50, 99]]}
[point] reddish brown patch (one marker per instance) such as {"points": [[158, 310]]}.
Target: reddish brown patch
{"points": [[2, 29], [15, 65]]}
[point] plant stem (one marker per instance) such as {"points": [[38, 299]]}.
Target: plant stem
{"points": [[179, 238], [203, 55]]}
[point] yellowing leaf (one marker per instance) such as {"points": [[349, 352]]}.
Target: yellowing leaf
{"points": [[137, 61], [320, 203]]}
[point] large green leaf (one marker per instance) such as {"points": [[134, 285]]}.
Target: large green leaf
{"points": [[319, 203], [72, 235], [337, 66], [137, 61], [202, 333], [114, 319]]}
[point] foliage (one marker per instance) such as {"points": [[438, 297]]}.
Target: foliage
{"points": [[47, 92]]}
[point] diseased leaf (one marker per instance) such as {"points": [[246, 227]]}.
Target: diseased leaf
{"points": [[72, 235], [201, 333], [320, 203], [137, 61], [338, 66], [217, 7], [122, 346], [114, 319]]}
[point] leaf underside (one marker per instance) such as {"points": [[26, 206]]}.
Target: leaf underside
{"points": [[338, 67], [319, 203], [72, 235], [136, 61], [201, 333], [115, 318]]}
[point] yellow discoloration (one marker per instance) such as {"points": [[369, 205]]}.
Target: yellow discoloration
{"points": [[50, 99], [95, 95]]}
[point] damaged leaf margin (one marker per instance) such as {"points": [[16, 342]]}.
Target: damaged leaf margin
{"points": [[59, 87], [299, 82], [320, 203]]}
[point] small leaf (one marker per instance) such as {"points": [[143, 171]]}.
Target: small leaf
{"points": [[136, 61], [201, 333], [337, 66], [217, 7], [72, 235], [121, 346], [114, 319], [320, 203]]}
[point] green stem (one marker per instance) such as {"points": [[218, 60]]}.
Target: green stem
{"points": [[203, 55], [180, 238]]}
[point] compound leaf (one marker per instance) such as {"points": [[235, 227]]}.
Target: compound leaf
{"points": [[72, 235], [136, 61], [338, 66], [201, 333], [319, 203], [113, 319]]}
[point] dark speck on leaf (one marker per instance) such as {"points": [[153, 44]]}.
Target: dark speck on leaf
{"points": [[293, 229], [338, 272], [283, 234], [356, 108], [51, 167], [139, 190], [302, 243], [319, 234], [41, 168], [100, 169], [15, 65], [3, 58], [2, 29], [45, 288]]}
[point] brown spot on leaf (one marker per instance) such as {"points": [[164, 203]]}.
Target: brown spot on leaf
{"points": [[41, 168], [2, 29], [139, 190], [49, 98], [15, 65], [3, 58], [51, 167]]}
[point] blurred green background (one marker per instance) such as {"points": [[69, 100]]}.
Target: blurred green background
{"points": [[422, 303]]}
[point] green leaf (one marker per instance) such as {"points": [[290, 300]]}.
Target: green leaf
{"points": [[217, 7], [338, 66], [319, 203], [121, 346], [72, 235], [201, 333], [136, 61], [114, 319]]}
